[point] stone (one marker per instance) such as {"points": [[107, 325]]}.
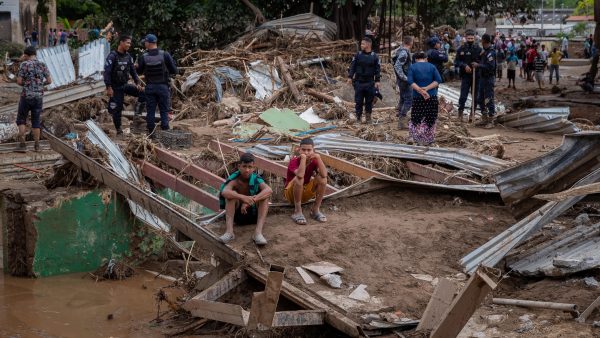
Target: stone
{"points": [[590, 282], [526, 323], [461, 276], [495, 320], [360, 293]]}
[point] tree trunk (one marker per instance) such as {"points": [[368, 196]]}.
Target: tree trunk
{"points": [[590, 78], [260, 18]]}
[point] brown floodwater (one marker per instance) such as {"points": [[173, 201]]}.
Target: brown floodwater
{"points": [[78, 306]]}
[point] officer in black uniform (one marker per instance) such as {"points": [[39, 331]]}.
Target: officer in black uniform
{"points": [[365, 74], [466, 55], [487, 73], [117, 70], [157, 66], [437, 56]]}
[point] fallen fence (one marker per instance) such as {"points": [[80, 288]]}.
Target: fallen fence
{"points": [[545, 120]]}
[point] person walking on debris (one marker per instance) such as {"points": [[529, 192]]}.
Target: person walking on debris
{"points": [[423, 78], [486, 68], [245, 198], [306, 179], [117, 69], [555, 58], [32, 75], [540, 64], [437, 56], [403, 60], [157, 66], [466, 55], [364, 73], [511, 72]]}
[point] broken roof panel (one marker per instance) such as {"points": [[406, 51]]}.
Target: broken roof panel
{"points": [[546, 120], [91, 59], [60, 65], [303, 25], [573, 251], [453, 94]]}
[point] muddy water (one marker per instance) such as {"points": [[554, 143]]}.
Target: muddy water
{"points": [[72, 306]]}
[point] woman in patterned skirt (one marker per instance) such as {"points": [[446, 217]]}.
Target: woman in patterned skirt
{"points": [[424, 79]]}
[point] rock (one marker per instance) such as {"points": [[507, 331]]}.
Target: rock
{"points": [[460, 276], [596, 324], [426, 278], [495, 320], [333, 280], [582, 219], [590, 282], [232, 103], [526, 323], [360, 293]]}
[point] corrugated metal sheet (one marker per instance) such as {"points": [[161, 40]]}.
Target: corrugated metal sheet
{"points": [[492, 252], [91, 59], [575, 250], [60, 65], [553, 172], [545, 120], [453, 94], [304, 25], [476, 163]]}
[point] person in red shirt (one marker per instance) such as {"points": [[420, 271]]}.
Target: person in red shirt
{"points": [[306, 179], [531, 55]]}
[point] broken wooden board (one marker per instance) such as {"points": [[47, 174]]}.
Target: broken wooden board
{"points": [[360, 293], [464, 305], [322, 268], [438, 304], [264, 304], [224, 285], [305, 276], [585, 314], [222, 312]]}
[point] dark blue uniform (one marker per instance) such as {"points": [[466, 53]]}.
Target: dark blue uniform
{"points": [[466, 54], [117, 70], [487, 74], [438, 58], [157, 66], [364, 71]]}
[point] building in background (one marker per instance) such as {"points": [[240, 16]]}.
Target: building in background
{"points": [[17, 16]]}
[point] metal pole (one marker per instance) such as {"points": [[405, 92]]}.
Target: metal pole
{"points": [[542, 15], [571, 308], [553, 12]]}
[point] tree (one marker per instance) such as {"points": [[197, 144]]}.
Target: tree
{"points": [[589, 81], [585, 7]]}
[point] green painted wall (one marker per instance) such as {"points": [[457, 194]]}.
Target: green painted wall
{"points": [[79, 234]]}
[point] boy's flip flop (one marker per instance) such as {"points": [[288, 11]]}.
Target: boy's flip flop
{"points": [[319, 216], [299, 219]]}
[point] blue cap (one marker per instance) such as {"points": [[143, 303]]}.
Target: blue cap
{"points": [[151, 38], [433, 41]]}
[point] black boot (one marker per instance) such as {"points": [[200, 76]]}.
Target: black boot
{"points": [[140, 108]]}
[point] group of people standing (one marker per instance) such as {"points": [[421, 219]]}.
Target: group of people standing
{"points": [[54, 38]]}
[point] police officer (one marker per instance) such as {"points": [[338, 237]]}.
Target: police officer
{"points": [[365, 73], [437, 56], [486, 68], [466, 55], [117, 69], [157, 66], [402, 61]]}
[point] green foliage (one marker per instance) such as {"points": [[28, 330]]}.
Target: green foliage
{"points": [[585, 7], [579, 28], [76, 9], [12, 48], [43, 9]]}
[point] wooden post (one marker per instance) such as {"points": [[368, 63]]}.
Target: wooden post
{"points": [[264, 303], [438, 304], [288, 79], [583, 317]]}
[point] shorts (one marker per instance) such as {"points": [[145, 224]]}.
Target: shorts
{"points": [[308, 192], [520, 63], [251, 216], [539, 76], [511, 74], [33, 105]]}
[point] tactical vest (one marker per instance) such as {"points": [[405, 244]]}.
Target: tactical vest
{"points": [[120, 68], [365, 66], [156, 69]]}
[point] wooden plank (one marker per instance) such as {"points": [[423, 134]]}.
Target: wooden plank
{"points": [[203, 237], [263, 310], [436, 175], [213, 277], [463, 306], [222, 312], [179, 185], [584, 316], [305, 276], [333, 317], [438, 304], [288, 79], [299, 318], [189, 168], [350, 168], [224, 285]]}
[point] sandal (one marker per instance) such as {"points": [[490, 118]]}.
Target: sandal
{"points": [[299, 219], [318, 216]]}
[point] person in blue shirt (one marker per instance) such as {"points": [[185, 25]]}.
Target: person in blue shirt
{"points": [[424, 79], [486, 68], [157, 66], [245, 198]]}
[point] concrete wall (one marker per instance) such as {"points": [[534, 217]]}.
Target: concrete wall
{"points": [[12, 6], [23, 17]]}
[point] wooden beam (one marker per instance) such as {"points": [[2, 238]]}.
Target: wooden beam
{"points": [[262, 163], [305, 276], [282, 90], [585, 314], [224, 285], [299, 318], [222, 312], [287, 77], [435, 175], [464, 305], [189, 168], [264, 304], [203, 237], [179, 185], [213, 277], [438, 304], [333, 317], [350, 168]]}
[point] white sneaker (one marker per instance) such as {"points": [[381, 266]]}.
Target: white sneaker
{"points": [[226, 238], [259, 239]]}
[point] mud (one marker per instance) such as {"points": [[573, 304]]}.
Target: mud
{"points": [[76, 306]]}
